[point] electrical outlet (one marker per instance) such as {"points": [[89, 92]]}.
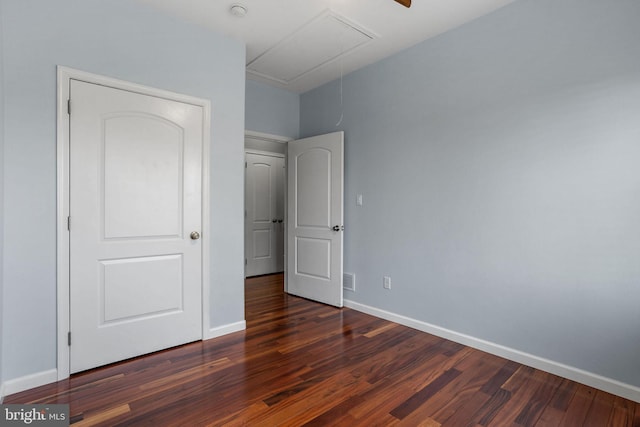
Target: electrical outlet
{"points": [[386, 282]]}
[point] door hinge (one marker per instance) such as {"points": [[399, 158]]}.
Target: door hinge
{"points": [[245, 261], [69, 223], [69, 338], [68, 106], [245, 165]]}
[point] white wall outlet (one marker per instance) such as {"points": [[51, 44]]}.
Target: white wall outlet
{"points": [[386, 282]]}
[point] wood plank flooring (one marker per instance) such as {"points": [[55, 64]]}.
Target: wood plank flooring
{"points": [[301, 363]]}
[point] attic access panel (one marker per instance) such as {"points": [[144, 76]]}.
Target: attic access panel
{"points": [[321, 41]]}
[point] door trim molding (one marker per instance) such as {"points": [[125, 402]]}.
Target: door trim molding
{"points": [[263, 153], [266, 136], [66, 74]]}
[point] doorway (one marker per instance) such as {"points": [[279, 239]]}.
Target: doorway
{"points": [[132, 220], [312, 226], [265, 202]]}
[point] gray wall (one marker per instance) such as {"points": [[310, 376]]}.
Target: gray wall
{"points": [[2, 322], [499, 169], [126, 40], [272, 110]]}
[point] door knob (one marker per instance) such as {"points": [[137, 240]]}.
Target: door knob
{"points": [[338, 228], [195, 235]]}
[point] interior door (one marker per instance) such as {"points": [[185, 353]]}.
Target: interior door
{"points": [[264, 219], [135, 217], [315, 218]]}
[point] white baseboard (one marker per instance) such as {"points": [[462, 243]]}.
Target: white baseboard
{"points": [[27, 382], [46, 377], [588, 378], [219, 331]]}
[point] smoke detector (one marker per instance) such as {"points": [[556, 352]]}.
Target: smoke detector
{"points": [[238, 10]]}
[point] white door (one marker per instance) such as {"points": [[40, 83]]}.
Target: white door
{"points": [[315, 218], [264, 218], [135, 200]]}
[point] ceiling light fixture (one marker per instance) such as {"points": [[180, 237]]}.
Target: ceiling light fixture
{"points": [[238, 10]]}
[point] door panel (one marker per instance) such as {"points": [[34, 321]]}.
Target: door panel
{"points": [[135, 197], [312, 189], [313, 257], [138, 288], [315, 206], [264, 204], [142, 174]]}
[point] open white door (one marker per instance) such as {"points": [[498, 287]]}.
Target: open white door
{"points": [[315, 218]]}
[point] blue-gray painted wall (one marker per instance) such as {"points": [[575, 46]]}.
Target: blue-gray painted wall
{"points": [[2, 322], [271, 110], [126, 40], [498, 165]]}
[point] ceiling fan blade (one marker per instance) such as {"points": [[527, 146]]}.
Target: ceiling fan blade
{"points": [[405, 3]]}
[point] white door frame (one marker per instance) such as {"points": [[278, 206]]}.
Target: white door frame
{"points": [[66, 74], [267, 136]]}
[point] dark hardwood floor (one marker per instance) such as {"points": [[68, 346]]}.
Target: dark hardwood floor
{"points": [[302, 363]]}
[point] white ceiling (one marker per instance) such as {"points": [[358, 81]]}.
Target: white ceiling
{"points": [[292, 44]]}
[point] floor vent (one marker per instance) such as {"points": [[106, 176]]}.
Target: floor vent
{"points": [[349, 282]]}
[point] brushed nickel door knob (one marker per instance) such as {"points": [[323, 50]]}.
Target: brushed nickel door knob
{"points": [[195, 235]]}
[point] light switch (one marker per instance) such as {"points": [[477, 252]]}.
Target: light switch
{"points": [[359, 200]]}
